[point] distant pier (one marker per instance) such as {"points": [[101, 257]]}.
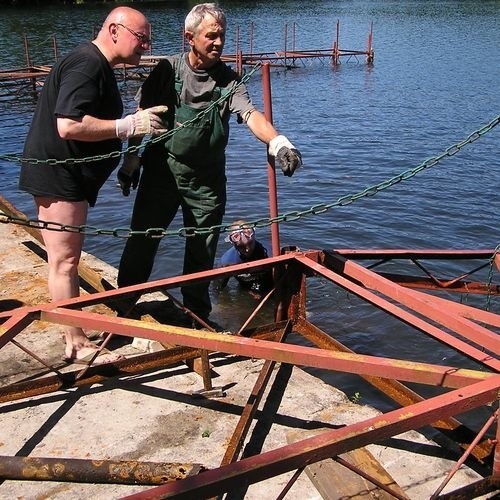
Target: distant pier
{"points": [[289, 57]]}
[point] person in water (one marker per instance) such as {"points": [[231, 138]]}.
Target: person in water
{"points": [[245, 248]]}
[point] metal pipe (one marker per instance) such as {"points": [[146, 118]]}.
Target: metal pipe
{"points": [[463, 458], [271, 168], [94, 471], [374, 480]]}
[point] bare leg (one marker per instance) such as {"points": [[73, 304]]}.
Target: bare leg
{"points": [[64, 249]]}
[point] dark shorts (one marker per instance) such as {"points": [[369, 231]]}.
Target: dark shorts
{"points": [[65, 182]]}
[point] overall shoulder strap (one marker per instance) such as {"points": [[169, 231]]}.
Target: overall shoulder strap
{"points": [[178, 82]]}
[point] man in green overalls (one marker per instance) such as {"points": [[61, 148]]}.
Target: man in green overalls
{"points": [[188, 170]]}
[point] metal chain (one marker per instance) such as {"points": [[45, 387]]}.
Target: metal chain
{"points": [[490, 277], [264, 222], [11, 157]]}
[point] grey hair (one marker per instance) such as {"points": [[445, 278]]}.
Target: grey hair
{"points": [[198, 13]]}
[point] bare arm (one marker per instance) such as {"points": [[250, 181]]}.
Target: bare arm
{"points": [[87, 129], [90, 129], [261, 127]]}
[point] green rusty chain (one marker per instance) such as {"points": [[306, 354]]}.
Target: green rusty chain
{"points": [[132, 149], [490, 277], [264, 222]]}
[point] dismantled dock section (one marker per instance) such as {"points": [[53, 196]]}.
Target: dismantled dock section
{"points": [[288, 57]]}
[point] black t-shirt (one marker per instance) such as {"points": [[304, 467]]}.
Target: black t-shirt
{"points": [[82, 83]]}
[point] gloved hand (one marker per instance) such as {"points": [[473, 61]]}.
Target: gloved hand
{"points": [[129, 173], [147, 121], [286, 153]]}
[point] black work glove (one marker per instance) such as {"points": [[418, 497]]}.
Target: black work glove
{"points": [[289, 159], [286, 153], [129, 173]]}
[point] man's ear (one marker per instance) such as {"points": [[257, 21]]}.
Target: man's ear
{"points": [[189, 37], [113, 31]]}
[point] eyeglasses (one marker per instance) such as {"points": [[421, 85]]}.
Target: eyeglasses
{"points": [[245, 233], [143, 38]]}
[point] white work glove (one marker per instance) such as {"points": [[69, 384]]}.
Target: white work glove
{"points": [[129, 173], [286, 153], [147, 121]]}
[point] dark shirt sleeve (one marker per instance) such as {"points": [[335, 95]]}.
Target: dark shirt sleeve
{"points": [[158, 87]]}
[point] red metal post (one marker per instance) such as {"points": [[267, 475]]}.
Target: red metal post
{"points": [[286, 41], [251, 39], [293, 42], [27, 52], [369, 50], [54, 43], [337, 50], [271, 170], [239, 65], [496, 457]]}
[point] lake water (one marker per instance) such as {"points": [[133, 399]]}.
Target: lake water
{"points": [[435, 79]]}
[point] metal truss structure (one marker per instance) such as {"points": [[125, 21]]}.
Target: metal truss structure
{"points": [[471, 332]]}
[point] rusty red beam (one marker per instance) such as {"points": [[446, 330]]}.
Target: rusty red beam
{"points": [[444, 376], [372, 254], [167, 283], [398, 392], [325, 445], [412, 299], [100, 373], [472, 313], [460, 286], [16, 323], [402, 314], [242, 427]]}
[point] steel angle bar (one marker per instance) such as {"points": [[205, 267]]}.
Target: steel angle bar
{"points": [[445, 376], [448, 283], [16, 323], [131, 366], [236, 442], [463, 458], [364, 254], [473, 490], [385, 256], [399, 393], [96, 374], [464, 327], [469, 312], [325, 445], [423, 283], [166, 283], [403, 315]]}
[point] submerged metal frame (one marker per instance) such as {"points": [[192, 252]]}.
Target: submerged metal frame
{"points": [[455, 325]]}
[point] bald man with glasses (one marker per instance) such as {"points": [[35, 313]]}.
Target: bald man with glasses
{"points": [[79, 115]]}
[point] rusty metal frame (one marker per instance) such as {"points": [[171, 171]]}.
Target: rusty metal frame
{"points": [[455, 325]]}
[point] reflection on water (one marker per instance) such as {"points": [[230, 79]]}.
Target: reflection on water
{"points": [[432, 83]]}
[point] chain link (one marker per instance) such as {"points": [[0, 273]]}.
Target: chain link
{"points": [[13, 158], [490, 277], [286, 217]]}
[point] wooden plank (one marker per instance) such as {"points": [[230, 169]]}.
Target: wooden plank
{"points": [[335, 481]]}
